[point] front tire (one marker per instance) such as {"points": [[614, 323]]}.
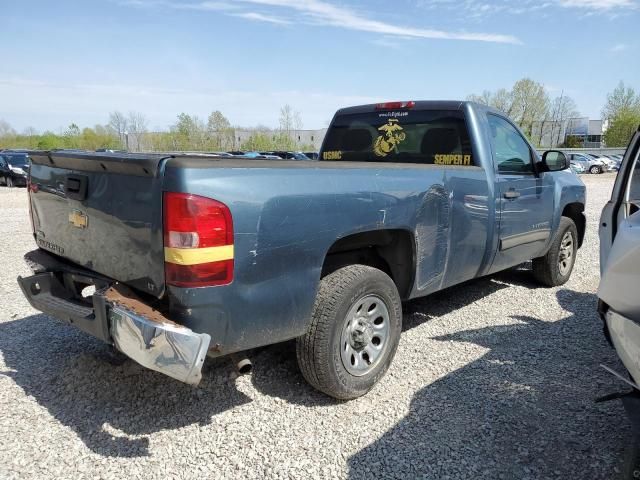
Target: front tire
{"points": [[555, 267], [595, 169], [354, 332]]}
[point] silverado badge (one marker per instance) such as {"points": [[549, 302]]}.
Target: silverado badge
{"points": [[78, 219]]}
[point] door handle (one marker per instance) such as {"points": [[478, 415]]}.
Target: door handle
{"points": [[511, 194]]}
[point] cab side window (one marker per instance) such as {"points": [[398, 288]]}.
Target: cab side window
{"points": [[512, 152]]}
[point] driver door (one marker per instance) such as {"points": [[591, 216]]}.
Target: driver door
{"points": [[524, 198]]}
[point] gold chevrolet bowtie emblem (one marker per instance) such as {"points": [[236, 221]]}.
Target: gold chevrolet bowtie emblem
{"points": [[78, 219]]}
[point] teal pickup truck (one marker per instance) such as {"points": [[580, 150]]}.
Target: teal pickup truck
{"points": [[173, 258]]}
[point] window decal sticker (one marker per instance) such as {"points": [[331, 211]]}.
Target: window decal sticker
{"points": [[452, 159], [393, 114], [332, 155], [392, 136]]}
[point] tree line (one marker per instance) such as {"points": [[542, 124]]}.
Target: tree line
{"points": [[188, 133], [542, 118], [545, 120], [622, 112], [530, 106]]}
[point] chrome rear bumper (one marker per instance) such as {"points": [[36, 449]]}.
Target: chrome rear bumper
{"points": [[171, 349]]}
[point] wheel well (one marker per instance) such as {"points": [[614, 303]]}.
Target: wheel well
{"points": [[575, 211], [392, 251]]}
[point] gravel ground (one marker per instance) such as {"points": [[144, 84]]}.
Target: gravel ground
{"points": [[493, 379]]}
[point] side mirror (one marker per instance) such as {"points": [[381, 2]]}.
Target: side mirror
{"points": [[555, 160]]}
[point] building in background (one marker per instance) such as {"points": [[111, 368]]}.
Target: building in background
{"points": [[585, 132], [576, 132]]}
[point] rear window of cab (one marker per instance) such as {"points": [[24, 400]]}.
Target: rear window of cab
{"points": [[438, 137]]}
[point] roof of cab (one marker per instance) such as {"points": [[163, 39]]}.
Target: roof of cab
{"points": [[419, 105]]}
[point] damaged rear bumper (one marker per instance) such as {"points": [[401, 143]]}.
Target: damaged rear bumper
{"points": [[167, 348], [119, 317]]}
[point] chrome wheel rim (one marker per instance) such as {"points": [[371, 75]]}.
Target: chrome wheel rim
{"points": [[565, 258], [365, 335]]}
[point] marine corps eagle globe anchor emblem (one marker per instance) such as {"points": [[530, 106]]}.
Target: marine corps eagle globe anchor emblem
{"points": [[392, 136]]}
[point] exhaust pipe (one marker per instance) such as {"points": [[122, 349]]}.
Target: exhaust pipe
{"points": [[242, 364]]}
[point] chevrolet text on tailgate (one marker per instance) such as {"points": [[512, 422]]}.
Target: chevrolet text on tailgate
{"points": [[194, 256]]}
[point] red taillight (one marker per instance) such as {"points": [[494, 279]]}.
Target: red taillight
{"points": [[191, 221], [200, 275], [395, 105], [198, 241]]}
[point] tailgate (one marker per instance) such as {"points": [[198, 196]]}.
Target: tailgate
{"points": [[103, 212]]}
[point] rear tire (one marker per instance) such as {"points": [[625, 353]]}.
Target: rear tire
{"points": [[595, 169], [555, 267], [354, 332]]}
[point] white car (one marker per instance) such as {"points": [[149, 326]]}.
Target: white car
{"points": [[611, 163], [619, 299], [576, 167], [590, 164]]}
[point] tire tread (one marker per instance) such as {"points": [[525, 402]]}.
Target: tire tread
{"points": [[312, 347], [545, 268]]}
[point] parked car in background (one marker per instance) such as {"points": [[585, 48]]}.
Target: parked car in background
{"points": [[221, 154], [14, 168], [576, 168], [619, 299], [288, 155], [591, 165], [312, 155], [612, 163], [258, 155], [618, 158]]}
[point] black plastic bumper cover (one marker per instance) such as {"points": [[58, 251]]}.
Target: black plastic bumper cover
{"points": [[46, 293]]}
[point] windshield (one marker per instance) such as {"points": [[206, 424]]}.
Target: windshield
{"points": [[423, 136], [17, 160]]}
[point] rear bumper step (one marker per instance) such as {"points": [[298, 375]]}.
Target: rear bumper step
{"points": [[120, 318], [46, 293]]}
